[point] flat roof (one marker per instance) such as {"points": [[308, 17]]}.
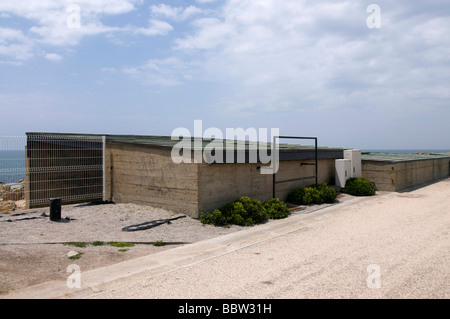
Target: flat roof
{"points": [[401, 157], [170, 142], [287, 151]]}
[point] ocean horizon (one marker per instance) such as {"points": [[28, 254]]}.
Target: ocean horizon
{"points": [[12, 166]]}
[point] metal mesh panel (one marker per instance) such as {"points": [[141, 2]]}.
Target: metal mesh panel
{"points": [[51, 166], [67, 167], [12, 172]]}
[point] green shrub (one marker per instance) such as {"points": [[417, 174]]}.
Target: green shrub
{"points": [[276, 209], [314, 194], [327, 194], [296, 196], [244, 212], [215, 218], [359, 187]]}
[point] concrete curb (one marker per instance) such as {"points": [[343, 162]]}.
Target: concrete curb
{"points": [[94, 282]]}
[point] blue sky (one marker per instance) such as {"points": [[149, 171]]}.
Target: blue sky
{"points": [[309, 68]]}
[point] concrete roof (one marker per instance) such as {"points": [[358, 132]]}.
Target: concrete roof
{"points": [[287, 151], [401, 157], [170, 142]]}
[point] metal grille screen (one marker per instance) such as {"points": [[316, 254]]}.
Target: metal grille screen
{"points": [[63, 166]]}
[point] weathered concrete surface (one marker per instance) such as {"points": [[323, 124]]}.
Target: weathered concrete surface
{"points": [[397, 176], [145, 175], [220, 184]]}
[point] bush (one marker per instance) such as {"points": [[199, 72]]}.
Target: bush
{"points": [[215, 218], [276, 209], [242, 211], [327, 194], [359, 187], [314, 194], [246, 212], [296, 196]]}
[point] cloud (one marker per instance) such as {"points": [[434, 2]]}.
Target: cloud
{"points": [[54, 57], [63, 23], [212, 32], [108, 70], [174, 13], [14, 44], [166, 72], [53, 20], [157, 27], [321, 55]]}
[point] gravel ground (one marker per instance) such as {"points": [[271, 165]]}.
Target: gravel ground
{"points": [[90, 222], [391, 246], [34, 249]]}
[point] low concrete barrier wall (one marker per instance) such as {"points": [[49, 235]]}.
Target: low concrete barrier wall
{"points": [[400, 175]]}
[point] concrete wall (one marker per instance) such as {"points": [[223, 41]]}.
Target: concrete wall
{"points": [[220, 184], [145, 175], [402, 175], [382, 174]]}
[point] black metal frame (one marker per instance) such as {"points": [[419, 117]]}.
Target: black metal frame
{"points": [[294, 179]]}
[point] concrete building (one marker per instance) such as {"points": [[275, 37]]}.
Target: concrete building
{"points": [[397, 172], [141, 170]]}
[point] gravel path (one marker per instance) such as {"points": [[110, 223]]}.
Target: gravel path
{"points": [[400, 241], [33, 249]]}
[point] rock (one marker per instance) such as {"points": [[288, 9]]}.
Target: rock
{"points": [[17, 194], [7, 206], [72, 253], [12, 192]]}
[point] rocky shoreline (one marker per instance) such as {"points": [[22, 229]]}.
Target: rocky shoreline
{"points": [[12, 196]]}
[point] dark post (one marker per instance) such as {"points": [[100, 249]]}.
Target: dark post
{"points": [[273, 154], [55, 209], [316, 161]]}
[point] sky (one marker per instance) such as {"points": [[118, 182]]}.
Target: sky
{"points": [[358, 74]]}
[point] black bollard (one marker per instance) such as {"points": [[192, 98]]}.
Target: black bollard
{"points": [[55, 209]]}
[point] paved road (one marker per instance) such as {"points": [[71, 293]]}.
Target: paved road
{"points": [[394, 245]]}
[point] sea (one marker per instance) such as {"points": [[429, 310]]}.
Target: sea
{"points": [[12, 166], [12, 163]]}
